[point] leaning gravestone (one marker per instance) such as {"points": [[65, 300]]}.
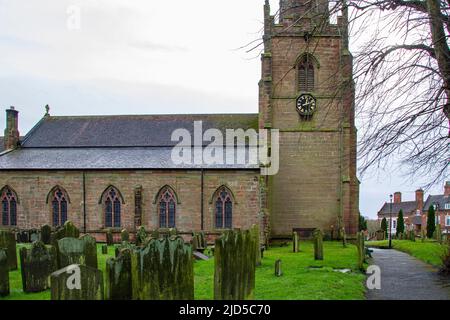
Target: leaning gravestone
{"points": [[125, 236], [4, 274], [46, 232], [77, 251], [118, 277], [278, 271], [234, 274], [37, 264], [318, 244], [8, 242], [77, 282], [163, 270], [141, 235]]}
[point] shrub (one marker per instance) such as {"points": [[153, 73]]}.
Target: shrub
{"points": [[400, 224], [431, 222]]}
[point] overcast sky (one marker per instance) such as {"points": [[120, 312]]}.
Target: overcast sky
{"points": [[141, 56]]}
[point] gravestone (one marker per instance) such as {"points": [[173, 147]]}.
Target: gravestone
{"points": [[37, 263], [70, 231], [4, 273], [124, 236], [318, 244], [200, 256], [198, 241], [278, 271], [46, 233], [77, 251], [118, 277], [141, 235], [34, 235], [234, 274], [105, 249], [295, 242], [8, 242], [109, 237], [77, 282], [163, 270], [360, 246]]}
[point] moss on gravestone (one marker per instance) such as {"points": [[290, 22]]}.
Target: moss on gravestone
{"points": [[234, 273], [141, 235], [118, 277], [70, 231], [318, 244], [124, 235], [37, 263], [89, 286], [90, 251], [77, 251], [4, 273], [361, 250], [46, 232], [8, 242]]}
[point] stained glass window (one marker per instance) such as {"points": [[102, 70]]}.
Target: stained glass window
{"points": [[167, 209], [9, 207], [224, 209]]}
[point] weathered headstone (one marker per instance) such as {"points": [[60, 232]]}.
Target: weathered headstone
{"points": [[77, 251], [109, 237], [234, 274], [198, 241], [46, 232], [8, 242], [163, 270], [125, 235], [200, 256], [141, 235], [118, 277], [361, 250], [318, 244], [278, 271], [77, 282], [4, 273], [70, 231], [105, 249], [34, 235], [37, 263], [295, 242]]}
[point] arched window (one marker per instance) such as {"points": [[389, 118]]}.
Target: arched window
{"points": [[59, 207], [306, 74], [9, 207], [224, 209], [167, 204], [112, 206]]}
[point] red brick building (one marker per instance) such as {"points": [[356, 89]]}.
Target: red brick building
{"points": [[117, 171]]}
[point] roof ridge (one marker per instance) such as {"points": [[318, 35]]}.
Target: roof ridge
{"points": [[156, 115]]}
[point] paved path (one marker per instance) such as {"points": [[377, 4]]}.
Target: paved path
{"points": [[405, 278]]}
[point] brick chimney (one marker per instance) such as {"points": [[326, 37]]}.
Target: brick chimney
{"points": [[397, 197], [419, 199], [11, 138], [447, 189]]}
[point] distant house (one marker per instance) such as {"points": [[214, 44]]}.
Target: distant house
{"points": [[441, 205], [415, 212], [412, 211]]}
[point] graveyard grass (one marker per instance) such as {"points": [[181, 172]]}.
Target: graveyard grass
{"points": [[303, 278], [429, 251]]}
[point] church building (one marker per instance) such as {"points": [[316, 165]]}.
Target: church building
{"points": [[117, 172]]}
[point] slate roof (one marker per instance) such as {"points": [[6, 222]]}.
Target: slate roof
{"points": [[118, 142], [406, 206], [441, 200], [126, 131]]}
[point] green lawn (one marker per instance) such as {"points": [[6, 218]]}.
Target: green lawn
{"points": [[303, 278], [428, 251]]}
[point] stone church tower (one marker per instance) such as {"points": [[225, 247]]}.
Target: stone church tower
{"points": [[307, 92]]}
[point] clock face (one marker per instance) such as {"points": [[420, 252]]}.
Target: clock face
{"points": [[306, 105]]}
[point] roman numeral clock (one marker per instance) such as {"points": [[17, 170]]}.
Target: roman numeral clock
{"points": [[306, 105]]}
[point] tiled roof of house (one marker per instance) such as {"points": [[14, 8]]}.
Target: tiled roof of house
{"points": [[127, 131], [119, 142], [440, 200], [406, 206]]}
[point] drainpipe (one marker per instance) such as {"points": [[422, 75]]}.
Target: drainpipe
{"points": [[84, 202], [202, 196]]}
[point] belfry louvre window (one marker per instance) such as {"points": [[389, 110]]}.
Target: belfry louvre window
{"points": [[306, 75], [9, 207], [167, 209], [113, 207], [59, 207], [224, 209]]}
